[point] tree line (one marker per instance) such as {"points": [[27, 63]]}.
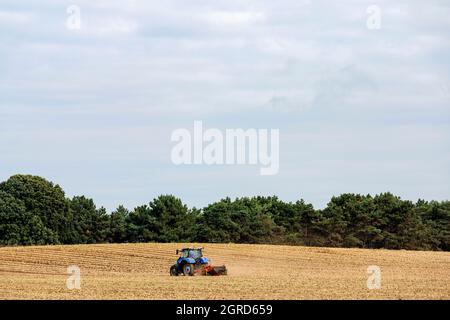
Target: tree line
{"points": [[34, 211]]}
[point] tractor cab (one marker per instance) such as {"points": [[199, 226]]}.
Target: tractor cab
{"points": [[194, 253]]}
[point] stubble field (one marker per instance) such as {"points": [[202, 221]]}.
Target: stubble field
{"points": [[141, 271]]}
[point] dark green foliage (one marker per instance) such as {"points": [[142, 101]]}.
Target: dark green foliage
{"points": [[118, 225], [35, 211], [175, 222], [91, 225], [436, 218], [245, 220], [165, 219], [45, 203], [17, 226]]}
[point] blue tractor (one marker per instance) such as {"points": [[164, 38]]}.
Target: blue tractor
{"points": [[192, 262]]}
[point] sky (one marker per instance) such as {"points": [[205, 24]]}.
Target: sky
{"points": [[359, 109]]}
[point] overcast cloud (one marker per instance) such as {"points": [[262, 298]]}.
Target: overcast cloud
{"points": [[359, 110]]}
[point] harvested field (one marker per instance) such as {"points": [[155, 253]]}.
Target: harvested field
{"points": [[141, 271]]}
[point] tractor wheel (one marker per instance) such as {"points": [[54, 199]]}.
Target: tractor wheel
{"points": [[188, 269], [174, 270]]}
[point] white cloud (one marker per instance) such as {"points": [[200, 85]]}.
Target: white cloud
{"points": [[300, 66], [11, 17], [230, 18], [111, 26]]}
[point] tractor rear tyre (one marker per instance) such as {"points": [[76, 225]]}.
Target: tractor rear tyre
{"points": [[174, 270], [188, 269]]}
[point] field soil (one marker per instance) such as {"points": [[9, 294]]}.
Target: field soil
{"points": [[141, 271]]}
